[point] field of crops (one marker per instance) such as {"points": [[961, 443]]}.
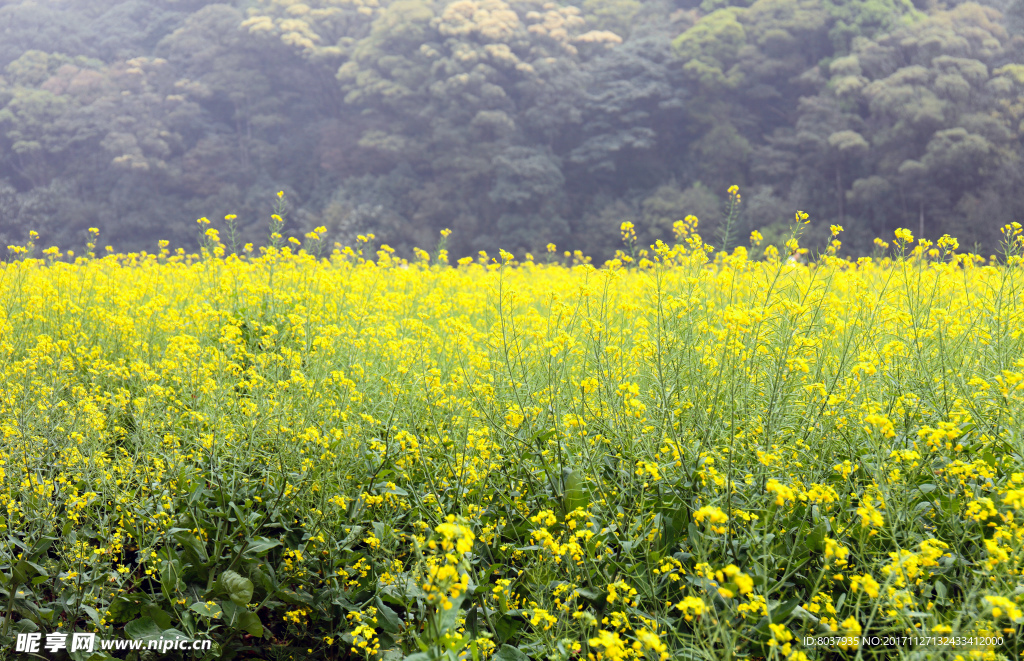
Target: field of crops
{"points": [[675, 456]]}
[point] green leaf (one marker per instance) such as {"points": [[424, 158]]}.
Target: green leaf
{"points": [[448, 617], [197, 494], [298, 598], [174, 634], [237, 587], [143, 628], [391, 623], [42, 546], [93, 614], [25, 626], [674, 528], [265, 579], [383, 487], [193, 547], [95, 656], [782, 612], [509, 653], [816, 539], [250, 623], [122, 609], [506, 627], [23, 571], [159, 615], [205, 609], [261, 545], [354, 535], [575, 496]]}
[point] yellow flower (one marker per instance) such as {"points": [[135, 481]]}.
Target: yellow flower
{"points": [[715, 517], [651, 641], [1003, 607], [851, 633], [780, 633], [691, 607], [744, 583], [543, 619], [609, 646], [783, 494], [865, 581], [946, 242]]}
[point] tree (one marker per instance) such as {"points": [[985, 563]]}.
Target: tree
{"points": [[931, 115]]}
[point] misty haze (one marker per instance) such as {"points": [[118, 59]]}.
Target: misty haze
{"points": [[516, 124]]}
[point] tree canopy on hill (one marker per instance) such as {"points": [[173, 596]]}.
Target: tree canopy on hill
{"points": [[516, 123]]}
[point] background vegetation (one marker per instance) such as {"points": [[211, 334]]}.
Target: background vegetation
{"points": [[516, 123]]}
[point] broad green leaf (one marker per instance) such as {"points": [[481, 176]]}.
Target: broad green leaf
{"points": [[250, 623], [206, 609], [238, 588], [159, 615], [143, 628], [390, 621], [509, 653], [575, 495], [261, 545], [193, 547]]}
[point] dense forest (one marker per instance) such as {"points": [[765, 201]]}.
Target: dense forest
{"points": [[513, 122]]}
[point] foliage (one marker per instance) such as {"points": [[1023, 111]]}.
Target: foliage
{"points": [[515, 122]]}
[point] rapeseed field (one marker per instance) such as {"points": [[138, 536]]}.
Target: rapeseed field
{"points": [[682, 454]]}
